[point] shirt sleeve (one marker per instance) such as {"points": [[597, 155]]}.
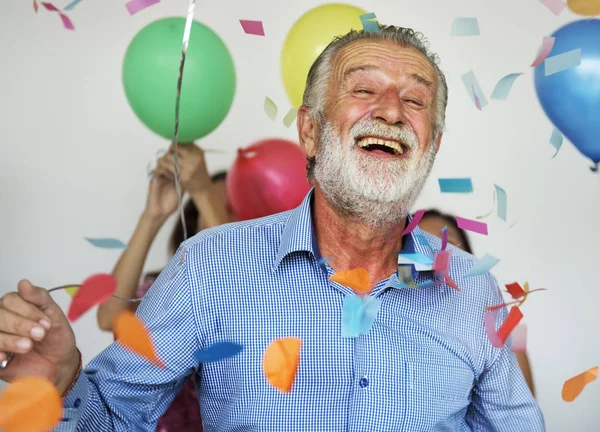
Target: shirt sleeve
{"points": [[501, 400], [121, 391]]}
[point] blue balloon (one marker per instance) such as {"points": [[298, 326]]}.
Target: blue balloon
{"points": [[571, 98]]}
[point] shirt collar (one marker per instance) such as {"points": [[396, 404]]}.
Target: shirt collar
{"points": [[299, 233]]}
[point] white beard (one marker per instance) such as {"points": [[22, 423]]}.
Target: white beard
{"points": [[378, 192]]}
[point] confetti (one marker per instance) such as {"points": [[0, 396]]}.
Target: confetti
{"points": [[456, 185], [356, 279], [555, 6], [499, 338], [405, 276], [132, 334], [519, 339], [253, 27], [20, 405], [35, 6], [217, 352], [451, 283], [441, 263], [556, 139], [414, 222], [358, 315], [584, 7], [546, 48], [444, 238], [417, 258], [471, 225], [562, 62], [107, 243], [463, 26], [423, 240], [323, 261], [71, 5], [517, 293], [371, 308], [368, 25], [290, 117], [72, 290], [94, 290], [504, 85], [574, 386], [270, 108], [280, 363], [484, 265], [501, 194], [135, 6], [474, 90], [515, 290], [65, 19]]}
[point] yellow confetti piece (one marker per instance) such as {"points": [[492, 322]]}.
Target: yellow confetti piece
{"points": [[290, 117], [584, 7], [72, 290], [270, 108]]}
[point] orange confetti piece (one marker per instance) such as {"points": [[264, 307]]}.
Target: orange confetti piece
{"points": [[584, 7], [356, 279], [30, 404], [574, 386], [280, 363], [132, 334]]}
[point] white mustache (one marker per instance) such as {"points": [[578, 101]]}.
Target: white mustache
{"points": [[404, 134]]}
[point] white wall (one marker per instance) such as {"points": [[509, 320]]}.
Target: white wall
{"points": [[74, 157]]}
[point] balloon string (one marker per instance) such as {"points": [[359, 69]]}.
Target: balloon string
{"points": [[186, 39], [131, 300]]}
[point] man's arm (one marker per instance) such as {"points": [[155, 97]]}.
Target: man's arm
{"points": [[501, 400], [119, 390]]}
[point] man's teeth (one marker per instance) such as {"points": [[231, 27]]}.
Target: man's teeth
{"points": [[365, 142]]}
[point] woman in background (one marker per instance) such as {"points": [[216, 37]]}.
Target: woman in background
{"points": [[433, 222], [207, 207]]}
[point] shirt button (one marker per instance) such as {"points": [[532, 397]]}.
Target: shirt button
{"points": [[77, 403], [364, 382]]}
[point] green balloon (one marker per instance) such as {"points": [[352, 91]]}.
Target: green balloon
{"points": [[151, 71]]}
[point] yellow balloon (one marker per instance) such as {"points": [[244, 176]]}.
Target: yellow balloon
{"points": [[308, 37], [584, 7]]}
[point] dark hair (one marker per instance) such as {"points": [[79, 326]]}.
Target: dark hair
{"points": [[451, 221], [191, 215]]}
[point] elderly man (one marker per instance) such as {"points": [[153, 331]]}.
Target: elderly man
{"points": [[371, 125]]}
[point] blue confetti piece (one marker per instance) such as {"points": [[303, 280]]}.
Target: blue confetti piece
{"points": [[217, 352], [418, 258], [422, 240], [561, 62], [426, 284], [556, 139], [456, 185], [371, 307], [463, 26], [503, 87], [352, 316], [501, 199], [482, 266], [368, 25], [323, 261], [107, 243], [474, 89], [71, 5]]}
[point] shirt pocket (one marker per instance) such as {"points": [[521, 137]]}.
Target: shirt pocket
{"points": [[438, 394]]}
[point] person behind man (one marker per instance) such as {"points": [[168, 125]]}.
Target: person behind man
{"points": [[433, 222], [370, 124]]}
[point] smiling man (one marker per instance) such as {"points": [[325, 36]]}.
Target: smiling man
{"points": [[371, 125]]}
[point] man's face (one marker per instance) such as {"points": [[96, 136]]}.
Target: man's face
{"points": [[375, 143]]}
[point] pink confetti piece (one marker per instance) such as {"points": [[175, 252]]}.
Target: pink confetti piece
{"points": [[477, 101], [489, 320], [414, 222], [253, 27], [35, 6], [135, 6], [451, 283], [65, 19], [471, 225], [441, 263], [546, 48], [519, 339], [555, 6]]}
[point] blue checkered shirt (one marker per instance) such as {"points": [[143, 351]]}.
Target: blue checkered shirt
{"points": [[426, 364]]}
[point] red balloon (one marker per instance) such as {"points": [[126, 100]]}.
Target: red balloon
{"points": [[266, 178]]}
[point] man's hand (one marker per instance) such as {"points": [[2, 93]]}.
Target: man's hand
{"points": [[35, 329]]}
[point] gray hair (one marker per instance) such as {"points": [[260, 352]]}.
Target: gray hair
{"points": [[320, 72]]}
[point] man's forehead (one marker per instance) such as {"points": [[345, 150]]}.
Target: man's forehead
{"points": [[372, 54]]}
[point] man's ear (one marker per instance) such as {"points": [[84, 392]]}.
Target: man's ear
{"points": [[307, 132], [438, 141]]}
